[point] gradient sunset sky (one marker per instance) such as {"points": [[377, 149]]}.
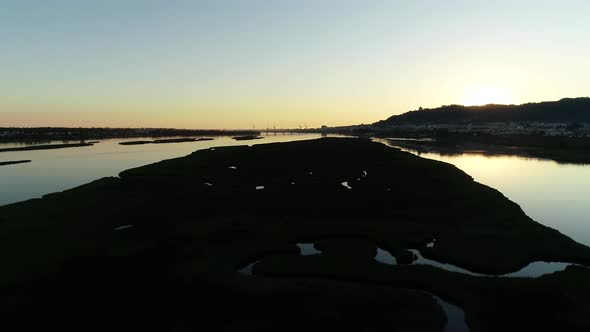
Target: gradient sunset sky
{"points": [[239, 64]]}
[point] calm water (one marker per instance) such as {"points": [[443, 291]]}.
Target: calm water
{"points": [[553, 194], [61, 169]]}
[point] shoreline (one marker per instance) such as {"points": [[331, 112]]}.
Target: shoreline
{"points": [[561, 156], [167, 141], [14, 162], [247, 137], [47, 147]]}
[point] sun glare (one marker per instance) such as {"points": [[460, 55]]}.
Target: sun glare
{"points": [[486, 95]]}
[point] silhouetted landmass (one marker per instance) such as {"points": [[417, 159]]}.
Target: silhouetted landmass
{"points": [[6, 163], [567, 110], [46, 147], [165, 141], [486, 150], [247, 137], [181, 140], [159, 248], [564, 150], [136, 142], [557, 130], [77, 134]]}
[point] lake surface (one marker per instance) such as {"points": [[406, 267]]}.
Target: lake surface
{"points": [[556, 195]]}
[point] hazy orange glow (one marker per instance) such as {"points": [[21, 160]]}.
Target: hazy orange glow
{"points": [[253, 64], [483, 95]]}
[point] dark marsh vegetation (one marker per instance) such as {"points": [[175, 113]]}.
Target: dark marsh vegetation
{"points": [[159, 248]]}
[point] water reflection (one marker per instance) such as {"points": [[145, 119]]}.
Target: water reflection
{"points": [[532, 270], [455, 316], [120, 228], [248, 270], [345, 185], [308, 249], [385, 257], [58, 170], [553, 194]]}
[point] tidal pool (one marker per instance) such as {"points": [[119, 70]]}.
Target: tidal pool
{"points": [[455, 315], [532, 270], [248, 269], [385, 257], [308, 249]]}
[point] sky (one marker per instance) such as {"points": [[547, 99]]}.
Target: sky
{"points": [[264, 63]]}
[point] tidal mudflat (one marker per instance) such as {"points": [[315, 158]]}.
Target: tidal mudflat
{"points": [[13, 162], [47, 147], [167, 141], [162, 247], [247, 137]]}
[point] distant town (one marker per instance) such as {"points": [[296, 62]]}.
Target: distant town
{"points": [[548, 129], [566, 118]]}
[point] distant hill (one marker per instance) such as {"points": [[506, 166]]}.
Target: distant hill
{"points": [[567, 110]]}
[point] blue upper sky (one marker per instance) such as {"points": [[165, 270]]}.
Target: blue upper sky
{"points": [[222, 64]]}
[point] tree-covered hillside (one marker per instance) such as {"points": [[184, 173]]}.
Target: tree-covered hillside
{"points": [[566, 110]]}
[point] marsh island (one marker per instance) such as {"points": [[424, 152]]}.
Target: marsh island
{"points": [[337, 234]]}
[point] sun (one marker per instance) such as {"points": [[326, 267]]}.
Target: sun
{"points": [[483, 95]]}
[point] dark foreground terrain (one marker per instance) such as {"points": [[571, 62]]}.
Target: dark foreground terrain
{"points": [[159, 249]]}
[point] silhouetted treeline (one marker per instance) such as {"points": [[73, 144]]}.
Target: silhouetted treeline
{"points": [[567, 110], [75, 134], [557, 142]]}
